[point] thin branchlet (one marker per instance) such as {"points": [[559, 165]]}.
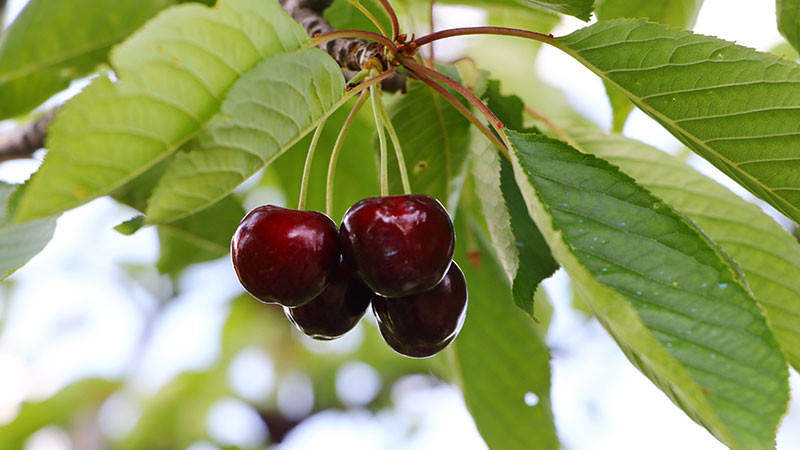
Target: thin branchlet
{"points": [[23, 141]]}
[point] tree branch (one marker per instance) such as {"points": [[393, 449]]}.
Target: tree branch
{"points": [[22, 142], [351, 54]]}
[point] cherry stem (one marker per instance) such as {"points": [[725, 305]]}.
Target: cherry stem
{"points": [[312, 149], [466, 93], [382, 140], [550, 124], [358, 34], [357, 4], [392, 17], [463, 110], [398, 150], [500, 31], [337, 148]]}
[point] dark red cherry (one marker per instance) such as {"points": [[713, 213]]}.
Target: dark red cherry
{"points": [[336, 311], [398, 245], [285, 256], [422, 325]]}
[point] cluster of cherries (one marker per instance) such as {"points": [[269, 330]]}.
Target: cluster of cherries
{"points": [[395, 253]]}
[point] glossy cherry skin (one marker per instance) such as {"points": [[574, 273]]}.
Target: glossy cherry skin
{"points": [[285, 256], [336, 310], [424, 324], [399, 245]]}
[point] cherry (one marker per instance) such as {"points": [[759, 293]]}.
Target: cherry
{"points": [[399, 245], [285, 256], [336, 311], [422, 325]]}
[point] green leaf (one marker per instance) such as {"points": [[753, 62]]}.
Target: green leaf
{"points": [[435, 139], [734, 106], [621, 108], [52, 42], [676, 13], [582, 9], [664, 291], [19, 242], [173, 75], [501, 361], [200, 237], [519, 244], [81, 398], [789, 21], [344, 16], [131, 226], [768, 255], [266, 113]]}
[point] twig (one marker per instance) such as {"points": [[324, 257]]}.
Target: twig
{"points": [[22, 142], [351, 53]]}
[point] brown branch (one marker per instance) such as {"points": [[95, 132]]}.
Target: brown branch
{"points": [[351, 54], [22, 142]]}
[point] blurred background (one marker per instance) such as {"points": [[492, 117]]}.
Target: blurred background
{"points": [[98, 347]]}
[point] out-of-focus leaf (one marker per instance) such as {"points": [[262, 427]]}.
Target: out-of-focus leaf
{"points": [[19, 242], [768, 255], [200, 237], [670, 297], [734, 106], [83, 397], [500, 360], [173, 75], [344, 16], [789, 21], [52, 42]]}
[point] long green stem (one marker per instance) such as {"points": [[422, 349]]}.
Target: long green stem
{"points": [[398, 150], [312, 149], [337, 148], [357, 4], [382, 140]]}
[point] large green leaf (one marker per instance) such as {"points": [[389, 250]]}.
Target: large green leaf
{"points": [[267, 112], [519, 244], [664, 291], [736, 107], [789, 20], [75, 400], [435, 139], [676, 13], [501, 362], [19, 242], [52, 42], [173, 75], [200, 237], [768, 255]]}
